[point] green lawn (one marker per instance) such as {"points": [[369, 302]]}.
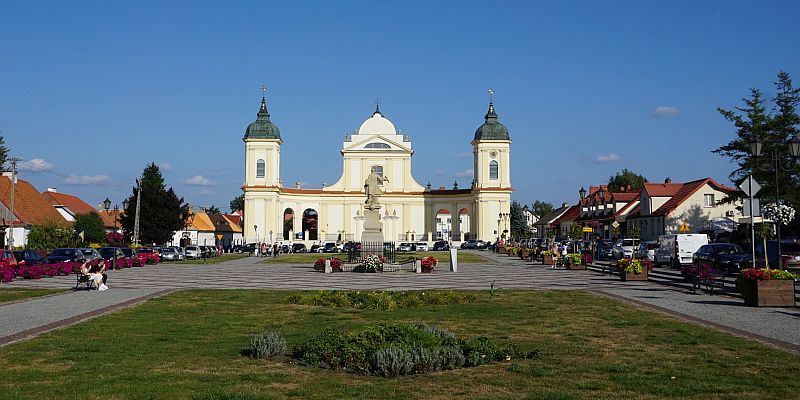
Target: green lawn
{"points": [[187, 346], [442, 256], [8, 295], [212, 260]]}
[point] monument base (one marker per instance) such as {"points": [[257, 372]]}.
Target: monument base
{"points": [[373, 228]]}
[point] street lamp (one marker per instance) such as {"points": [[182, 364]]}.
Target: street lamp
{"points": [[777, 163], [106, 206], [582, 193], [255, 230]]}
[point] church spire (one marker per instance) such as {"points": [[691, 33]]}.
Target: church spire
{"points": [[377, 106]]}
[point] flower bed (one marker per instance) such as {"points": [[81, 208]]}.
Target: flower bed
{"points": [[378, 300], [39, 271], [336, 264], [762, 287], [428, 263], [633, 269]]}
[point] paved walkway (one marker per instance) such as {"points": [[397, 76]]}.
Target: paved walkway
{"points": [[780, 326]]}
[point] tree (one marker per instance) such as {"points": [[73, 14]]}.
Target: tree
{"points": [[237, 204], [92, 226], [518, 225], [213, 210], [162, 212], [541, 208], [623, 179], [774, 127], [3, 153], [48, 236]]}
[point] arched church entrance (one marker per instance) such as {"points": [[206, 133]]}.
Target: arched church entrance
{"points": [[310, 219], [288, 223], [464, 224], [443, 224]]}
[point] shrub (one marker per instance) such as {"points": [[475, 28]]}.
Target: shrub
{"points": [[379, 300], [391, 361], [266, 345], [449, 357], [7, 274]]}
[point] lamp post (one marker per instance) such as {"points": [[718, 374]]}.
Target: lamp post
{"points": [[107, 206], [255, 230], [777, 163]]}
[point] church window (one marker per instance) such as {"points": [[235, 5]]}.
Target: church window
{"points": [[378, 170], [377, 145], [260, 166], [493, 169]]}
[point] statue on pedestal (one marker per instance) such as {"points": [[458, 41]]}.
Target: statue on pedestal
{"points": [[372, 186], [373, 228]]}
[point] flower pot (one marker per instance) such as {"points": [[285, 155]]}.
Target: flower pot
{"points": [[767, 293], [630, 276], [336, 268], [576, 266], [427, 270], [547, 259]]}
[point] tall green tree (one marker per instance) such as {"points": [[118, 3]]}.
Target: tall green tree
{"points": [[625, 178], [3, 153], [518, 226], [774, 123], [237, 203], [162, 212], [541, 208], [92, 226], [213, 210]]}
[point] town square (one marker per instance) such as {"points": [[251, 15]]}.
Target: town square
{"points": [[386, 200]]}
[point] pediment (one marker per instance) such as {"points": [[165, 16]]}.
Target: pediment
{"points": [[376, 143]]}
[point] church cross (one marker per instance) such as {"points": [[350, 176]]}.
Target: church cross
{"points": [[491, 95]]}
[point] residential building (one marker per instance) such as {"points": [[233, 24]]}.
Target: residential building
{"points": [[30, 209]]}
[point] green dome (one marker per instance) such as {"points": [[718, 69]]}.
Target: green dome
{"points": [[491, 129], [262, 128]]}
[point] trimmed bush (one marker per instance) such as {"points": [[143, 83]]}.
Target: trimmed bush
{"points": [[267, 345], [391, 362], [380, 300]]}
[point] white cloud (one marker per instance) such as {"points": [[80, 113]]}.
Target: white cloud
{"points": [[165, 166], [665, 111], [199, 180], [465, 174], [87, 180], [36, 164], [610, 157], [439, 172]]}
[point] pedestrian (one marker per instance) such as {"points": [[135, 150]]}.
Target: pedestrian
{"points": [[275, 250], [554, 253]]}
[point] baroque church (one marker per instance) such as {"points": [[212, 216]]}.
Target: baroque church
{"points": [[409, 211]]}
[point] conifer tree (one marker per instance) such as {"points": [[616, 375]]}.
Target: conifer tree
{"points": [[162, 212]]}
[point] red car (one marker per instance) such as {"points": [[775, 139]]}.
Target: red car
{"points": [[7, 259], [148, 255]]}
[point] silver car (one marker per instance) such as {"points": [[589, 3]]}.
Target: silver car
{"points": [[421, 246], [169, 254], [193, 252], [624, 248], [404, 246]]}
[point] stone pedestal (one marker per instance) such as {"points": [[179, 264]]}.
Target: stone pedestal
{"points": [[373, 228]]}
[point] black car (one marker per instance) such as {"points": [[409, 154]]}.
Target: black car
{"points": [[128, 252], [66, 255], [298, 248], [470, 244], [723, 257], [29, 257], [441, 245], [604, 250], [109, 253]]}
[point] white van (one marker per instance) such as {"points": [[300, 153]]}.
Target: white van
{"points": [[677, 249]]}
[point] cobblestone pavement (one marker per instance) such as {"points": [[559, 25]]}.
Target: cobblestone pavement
{"points": [[780, 326]]}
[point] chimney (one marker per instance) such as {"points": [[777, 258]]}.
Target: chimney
{"points": [[668, 180], [564, 204], [52, 190]]}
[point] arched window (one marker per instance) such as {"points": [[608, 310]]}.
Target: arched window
{"points": [[377, 145], [378, 170], [260, 168], [493, 169]]}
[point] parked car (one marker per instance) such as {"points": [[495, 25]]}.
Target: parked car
{"points": [[471, 244], [316, 248], [248, 248], [421, 246], [299, 248], [110, 253], [129, 252], [646, 250], [677, 249], [790, 254], [284, 248], [330, 247], [146, 254], [170, 254], [482, 244], [723, 257], [181, 254], [441, 245], [7, 259], [66, 255], [194, 252], [604, 250], [624, 248], [404, 246], [90, 254], [28, 257]]}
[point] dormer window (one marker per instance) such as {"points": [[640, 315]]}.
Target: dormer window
{"points": [[377, 145]]}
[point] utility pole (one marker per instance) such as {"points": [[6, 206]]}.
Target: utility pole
{"points": [[13, 189], [136, 216]]}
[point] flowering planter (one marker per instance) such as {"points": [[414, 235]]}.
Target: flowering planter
{"points": [[547, 259], [427, 270], [502, 250], [630, 276], [576, 266], [524, 254], [767, 293]]}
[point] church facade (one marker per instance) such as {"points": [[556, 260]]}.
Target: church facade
{"points": [[409, 210]]}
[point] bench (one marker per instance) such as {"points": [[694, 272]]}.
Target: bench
{"points": [[83, 279]]}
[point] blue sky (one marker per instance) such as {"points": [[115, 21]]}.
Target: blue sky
{"points": [[96, 90]]}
